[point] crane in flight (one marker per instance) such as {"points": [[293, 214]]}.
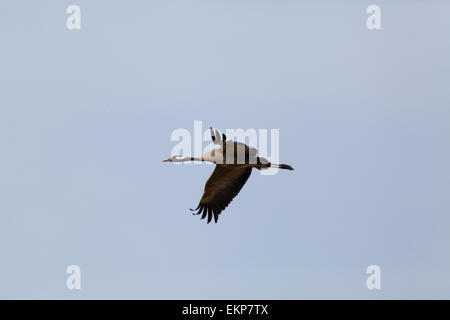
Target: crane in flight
{"points": [[234, 163]]}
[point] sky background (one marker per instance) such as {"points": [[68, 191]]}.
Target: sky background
{"points": [[86, 118]]}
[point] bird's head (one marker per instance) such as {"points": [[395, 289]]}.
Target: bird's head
{"points": [[174, 159]]}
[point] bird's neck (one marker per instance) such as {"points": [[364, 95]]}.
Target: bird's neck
{"points": [[186, 158]]}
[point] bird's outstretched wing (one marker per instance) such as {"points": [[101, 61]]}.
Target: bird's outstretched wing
{"points": [[223, 185]]}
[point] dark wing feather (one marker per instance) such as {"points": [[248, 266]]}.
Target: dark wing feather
{"points": [[223, 185]]}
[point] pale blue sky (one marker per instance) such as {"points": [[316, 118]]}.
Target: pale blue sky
{"points": [[86, 118]]}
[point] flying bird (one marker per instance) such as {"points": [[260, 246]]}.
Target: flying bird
{"points": [[234, 163]]}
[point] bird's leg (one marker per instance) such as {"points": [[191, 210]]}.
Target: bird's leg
{"points": [[213, 135], [216, 136]]}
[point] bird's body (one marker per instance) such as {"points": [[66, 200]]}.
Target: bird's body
{"points": [[234, 163]]}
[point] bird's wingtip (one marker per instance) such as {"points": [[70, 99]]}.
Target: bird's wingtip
{"points": [[195, 208]]}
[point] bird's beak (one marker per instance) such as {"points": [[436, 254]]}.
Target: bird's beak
{"points": [[168, 160]]}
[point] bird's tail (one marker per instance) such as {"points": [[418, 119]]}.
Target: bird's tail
{"points": [[281, 166]]}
